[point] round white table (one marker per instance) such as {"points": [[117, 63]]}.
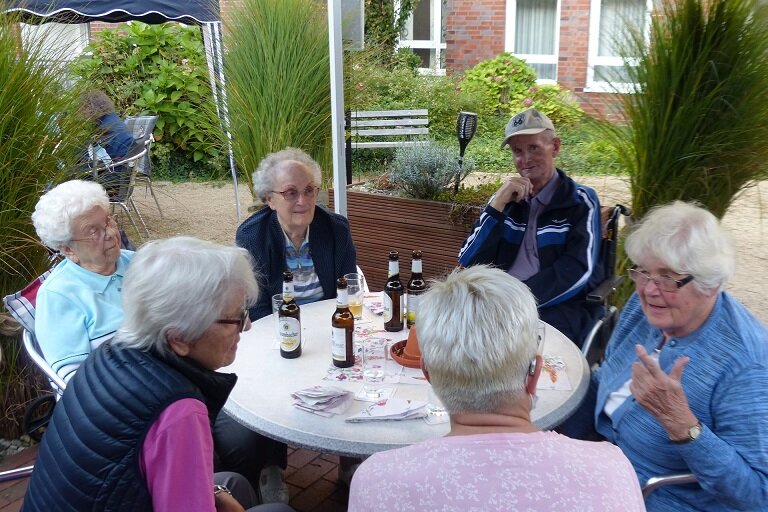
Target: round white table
{"points": [[262, 401]]}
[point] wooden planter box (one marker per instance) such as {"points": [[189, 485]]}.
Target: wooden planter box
{"points": [[383, 223]]}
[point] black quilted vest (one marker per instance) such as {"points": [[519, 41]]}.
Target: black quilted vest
{"points": [[89, 457]]}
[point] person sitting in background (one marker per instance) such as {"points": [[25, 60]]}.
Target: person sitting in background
{"points": [[478, 340], [112, 133], [79, 308], [682, 387], [133, 429], [293, 233], [543, 228]]}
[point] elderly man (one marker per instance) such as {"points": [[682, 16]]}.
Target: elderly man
{"points": [[477, 333], [542, 228]]}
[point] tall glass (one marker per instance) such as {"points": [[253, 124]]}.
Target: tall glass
{"points": [[374, 362], [355, 294], [276, 300]]}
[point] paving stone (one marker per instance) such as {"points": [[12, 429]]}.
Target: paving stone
{"points": [[312, 472]]}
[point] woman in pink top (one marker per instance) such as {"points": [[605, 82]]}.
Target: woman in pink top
{"points": [[477, 334]]}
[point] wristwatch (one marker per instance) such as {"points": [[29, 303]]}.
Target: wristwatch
{"points": [[693, 433], [218, 489]]}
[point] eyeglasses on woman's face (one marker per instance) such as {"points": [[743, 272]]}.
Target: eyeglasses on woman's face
{"points": [[292, 195], [663, 282], [98, 233], [239, 322]]}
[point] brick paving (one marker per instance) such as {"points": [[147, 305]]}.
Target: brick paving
{"points": [[312, 479]]}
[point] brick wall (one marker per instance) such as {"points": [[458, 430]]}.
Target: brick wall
{"points": [[474, 32]]}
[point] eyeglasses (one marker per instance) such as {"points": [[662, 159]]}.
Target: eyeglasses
{"points": [[98, 234], [240, 321], [663, 283], [292, 195]]}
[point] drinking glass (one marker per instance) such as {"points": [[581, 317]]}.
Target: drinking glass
{"points": [[374, 362], [276, 300], [355, 294]]}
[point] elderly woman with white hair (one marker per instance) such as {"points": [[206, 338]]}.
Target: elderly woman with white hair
{"points": [[133, 429], [478, 337], [294, 233], [683, 385], [78, 306]]}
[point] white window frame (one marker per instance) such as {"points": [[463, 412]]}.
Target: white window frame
{"points": [[509, 42], [435, 43], [51, 37], [593, 59]]}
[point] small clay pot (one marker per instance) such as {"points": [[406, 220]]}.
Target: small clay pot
{"points": [[406, 352]]}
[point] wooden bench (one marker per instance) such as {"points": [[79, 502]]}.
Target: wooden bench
{"points": [[387, 128], [371, 129]]}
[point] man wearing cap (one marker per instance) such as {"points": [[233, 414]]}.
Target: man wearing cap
{"points": [[542, 228]]}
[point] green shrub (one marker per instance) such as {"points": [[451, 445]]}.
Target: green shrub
{"points": [[278, 70], [40, 138], [424, 170], [507, 86], [158, 70]]}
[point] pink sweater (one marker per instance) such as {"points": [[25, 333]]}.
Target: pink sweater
{"points": [[177, 458]]}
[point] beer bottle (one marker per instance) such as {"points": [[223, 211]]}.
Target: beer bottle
{"points": [[289, 318], [393, 296], [416, 286], [342, 328]]}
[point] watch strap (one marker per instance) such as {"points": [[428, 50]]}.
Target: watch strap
{"points": [[693, 433]]}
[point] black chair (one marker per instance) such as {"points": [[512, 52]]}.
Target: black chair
{"points": [[598, 336]]}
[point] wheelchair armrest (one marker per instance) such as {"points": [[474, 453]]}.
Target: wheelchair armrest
{"points": [[604, 290], [655, 482]]}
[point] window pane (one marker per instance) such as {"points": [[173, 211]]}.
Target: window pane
{"points": [[535, 22], [615, 74], [616, 17], [545, 71], [422, 21]]}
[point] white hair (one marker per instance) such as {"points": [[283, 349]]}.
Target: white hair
{"points": [[477, 334], [181, 286], [57, 208], [689, 240], [265, 174]]}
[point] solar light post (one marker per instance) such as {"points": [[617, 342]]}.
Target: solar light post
{"points": [[466, 125]]}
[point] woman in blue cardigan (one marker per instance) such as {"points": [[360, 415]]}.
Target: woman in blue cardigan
{"points": [[683, 385]]}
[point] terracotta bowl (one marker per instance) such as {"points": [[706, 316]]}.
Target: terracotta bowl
{"points": [[406, 352]]}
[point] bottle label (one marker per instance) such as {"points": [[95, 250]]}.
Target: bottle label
{"points": [[387, 308], [342, 297], [339, 343], [290, 334], [287, 290], [413, 307], [394, 268], [416, 267]]}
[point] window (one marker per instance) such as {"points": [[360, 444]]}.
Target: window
{"points": [[58, 41], [609, 21], [424, 35], [532, 31]]}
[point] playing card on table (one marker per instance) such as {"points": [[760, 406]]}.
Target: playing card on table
{"points": [[553, 375], [391, 409], [374, 302], [322, 400]]}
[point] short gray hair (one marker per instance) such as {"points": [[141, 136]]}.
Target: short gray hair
{"points": [[477, 334], [687, 239], [264, 176], [57, 208], [181, 286]]}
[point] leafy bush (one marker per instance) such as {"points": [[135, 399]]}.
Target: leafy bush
{"points": [[370, 86], [508, 86], [423, 171], [158, 70]]}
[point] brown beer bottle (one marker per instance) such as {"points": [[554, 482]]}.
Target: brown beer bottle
{"points": [[289, 320], [342, 328], [393, 296], [416, 286]]}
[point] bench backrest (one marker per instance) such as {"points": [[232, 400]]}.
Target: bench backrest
{"points": [[387, 128]]}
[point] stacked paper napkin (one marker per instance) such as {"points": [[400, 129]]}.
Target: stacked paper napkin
{"points": [[391, 409], [322, 400]]}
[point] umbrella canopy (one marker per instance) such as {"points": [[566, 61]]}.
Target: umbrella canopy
{"points": [[191, 12]]}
